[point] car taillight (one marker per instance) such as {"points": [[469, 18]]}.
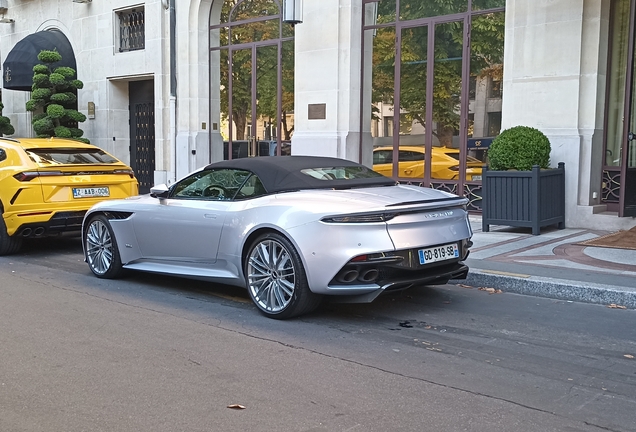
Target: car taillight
{"points": [[454, 168], [367, 218], [27, 176], [125, 171]]}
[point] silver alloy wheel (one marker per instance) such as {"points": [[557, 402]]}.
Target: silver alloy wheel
{"points": [[271, 276], [99, 247]]}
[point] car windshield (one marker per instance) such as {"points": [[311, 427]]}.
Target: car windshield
{"points": [[71, 156], [341, 173]]}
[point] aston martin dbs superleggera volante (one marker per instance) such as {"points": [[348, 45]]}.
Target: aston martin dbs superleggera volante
{"points": [[290, 229]]}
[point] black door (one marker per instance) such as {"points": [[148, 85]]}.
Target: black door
{"points": [[142, 132]]}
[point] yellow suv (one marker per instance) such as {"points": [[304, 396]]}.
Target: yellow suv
{"points": [[47, 184], [444, 165]]}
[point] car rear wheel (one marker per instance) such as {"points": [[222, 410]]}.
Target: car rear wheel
{"points": [[8, 244], [276, 278], [102, 254]]}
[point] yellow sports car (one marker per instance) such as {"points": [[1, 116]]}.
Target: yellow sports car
{"points": [[444, 165], [48, 184]]}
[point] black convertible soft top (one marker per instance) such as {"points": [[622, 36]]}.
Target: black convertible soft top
{"points": [[285, 173]]}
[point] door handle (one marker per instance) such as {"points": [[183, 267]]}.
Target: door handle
{"points": [[631, 136]]}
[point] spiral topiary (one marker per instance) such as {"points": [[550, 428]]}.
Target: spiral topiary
{"points": [[519, 148]]}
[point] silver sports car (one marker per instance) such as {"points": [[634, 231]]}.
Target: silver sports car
{"points": [[291, 229]]}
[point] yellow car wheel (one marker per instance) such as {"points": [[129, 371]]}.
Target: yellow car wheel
{"points": [[8, 245]]}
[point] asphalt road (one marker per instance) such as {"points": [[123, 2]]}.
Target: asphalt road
{"points": [[155, 353]]}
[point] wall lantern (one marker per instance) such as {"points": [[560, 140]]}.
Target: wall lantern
{"points": [[3, 10], [292, 11]]}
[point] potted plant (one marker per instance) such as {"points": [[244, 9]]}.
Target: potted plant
{"points": [[518, 186]]}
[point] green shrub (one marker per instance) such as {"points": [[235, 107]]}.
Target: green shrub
{"points": [[519, 148]]}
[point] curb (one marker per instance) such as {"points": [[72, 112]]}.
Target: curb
{"points": [[544, 287]]}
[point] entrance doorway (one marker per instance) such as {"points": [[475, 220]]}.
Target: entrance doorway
{"points": [[619, 167], [255, 52], [142, 132]]}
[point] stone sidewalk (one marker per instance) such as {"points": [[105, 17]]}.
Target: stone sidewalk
{"points": [[552, 264]]}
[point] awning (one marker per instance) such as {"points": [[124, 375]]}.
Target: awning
{"points": [[17, 69]]}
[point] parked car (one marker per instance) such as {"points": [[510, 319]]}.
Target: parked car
{"points": [[47, 184], [444, 164], [290, 229]]}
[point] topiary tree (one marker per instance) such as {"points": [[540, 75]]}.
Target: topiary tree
{"points": [[54, 92], [5, 123], [519, 148]]}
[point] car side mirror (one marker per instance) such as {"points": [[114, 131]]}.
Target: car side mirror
{"points": [[159, 191]]}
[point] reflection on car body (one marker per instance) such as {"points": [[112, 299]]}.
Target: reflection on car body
{"points": [[291, 229], [411, 159]]}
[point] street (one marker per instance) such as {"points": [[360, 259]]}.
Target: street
{"points": [[157, 353]]}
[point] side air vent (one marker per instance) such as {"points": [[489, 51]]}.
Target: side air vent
{"points": [[114, 215]]}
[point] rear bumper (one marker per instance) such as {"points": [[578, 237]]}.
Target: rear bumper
{"points": [[435, 276], [58, 223]]}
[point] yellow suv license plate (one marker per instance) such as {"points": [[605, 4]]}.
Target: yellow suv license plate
{"points": [[438, 253], [91, 192]]}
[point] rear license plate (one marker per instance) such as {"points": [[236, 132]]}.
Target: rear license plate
{"points": [[438, 253], [91, 192], [476, 178]]}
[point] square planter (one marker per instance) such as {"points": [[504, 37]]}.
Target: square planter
{"points": [[532, 199]]}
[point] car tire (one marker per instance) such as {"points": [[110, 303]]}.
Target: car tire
{"points": [[8, 244], [276, 280], [100, 248]]}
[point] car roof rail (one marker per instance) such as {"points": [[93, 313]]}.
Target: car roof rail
{"points": [[10, 139]]}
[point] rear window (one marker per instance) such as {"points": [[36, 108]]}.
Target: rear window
{"points": [[70, 156], [341, 173]]}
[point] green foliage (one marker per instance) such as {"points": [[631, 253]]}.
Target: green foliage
{"points": [[41, 69], [41, 94], [63, 98], [519, 148], [65, 71], [75, 115], [5, 123], [57, 79], [49, 56], [53, 99], [55, 111], [43, 126], [41, 80], [62, 132]]}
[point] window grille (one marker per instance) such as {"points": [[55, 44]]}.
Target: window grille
{"points": [[132, 32]]}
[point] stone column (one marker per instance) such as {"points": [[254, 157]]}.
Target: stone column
{"points": [[554, 80], [327, 80]]}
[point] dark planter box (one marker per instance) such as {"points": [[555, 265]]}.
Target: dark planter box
{"points": [[532, 199]]}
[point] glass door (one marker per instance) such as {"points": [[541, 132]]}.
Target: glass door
{"points": [[628, 151]]}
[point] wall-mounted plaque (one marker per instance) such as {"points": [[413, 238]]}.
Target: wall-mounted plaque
{"points": [[317, 111], [91, 110]]}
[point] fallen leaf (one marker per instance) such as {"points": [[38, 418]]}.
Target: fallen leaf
{"points": [[615, 306], [490, 290], [464, 286], [629, 356], [236, 406]]}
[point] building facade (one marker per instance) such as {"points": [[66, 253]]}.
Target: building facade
{"points": [[170, 85]]}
